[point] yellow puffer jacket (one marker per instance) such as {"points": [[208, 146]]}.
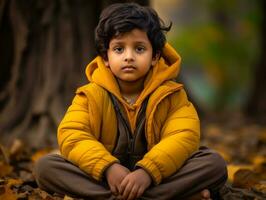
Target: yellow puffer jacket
{"points": [[88, 131]]}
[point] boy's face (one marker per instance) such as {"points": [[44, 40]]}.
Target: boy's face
{"points": [[130, 56]]}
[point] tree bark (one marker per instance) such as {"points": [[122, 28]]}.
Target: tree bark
{"points": [[44, 47]]}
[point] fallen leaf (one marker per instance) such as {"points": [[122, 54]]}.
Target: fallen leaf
{"points": [[12, 182], [259, 162], [22, 195], [42, 194], [5, 169], [245, 178], [259, 159], [68, 198], [8, 193], [232, 169], [16, 148], [36, 156], [260, 188]]}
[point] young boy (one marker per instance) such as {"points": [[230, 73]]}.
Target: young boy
{"points": [[131, 132]]}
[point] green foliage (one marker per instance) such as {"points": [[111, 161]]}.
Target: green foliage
{"points": [[225, 45]]}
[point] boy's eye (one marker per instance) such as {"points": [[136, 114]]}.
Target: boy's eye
{"points": [[140, 49], [118, 49]]}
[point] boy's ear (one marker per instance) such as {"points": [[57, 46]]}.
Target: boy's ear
{"points": [[106, 62], [155, 59]]}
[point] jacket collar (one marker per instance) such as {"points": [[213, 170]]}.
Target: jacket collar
{"points": [[166, 69]]}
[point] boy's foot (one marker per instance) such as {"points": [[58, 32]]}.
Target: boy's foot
{"points": [[203, 195]]}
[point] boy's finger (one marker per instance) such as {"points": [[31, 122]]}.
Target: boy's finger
{"points": [[133, 193], [127, 191], [122, 186], [140, 192], [114, 190]]}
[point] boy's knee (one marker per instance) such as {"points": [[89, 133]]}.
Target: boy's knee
{"points": [[42, 165], [216, 164]]}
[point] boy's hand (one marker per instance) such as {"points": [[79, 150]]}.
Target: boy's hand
{"points": [[114, 175], [134, 184]]}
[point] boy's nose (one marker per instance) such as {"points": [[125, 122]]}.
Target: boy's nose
{"points": [[129, 56]]}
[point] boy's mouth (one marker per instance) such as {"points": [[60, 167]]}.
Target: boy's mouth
{"points": [[128, 68]]}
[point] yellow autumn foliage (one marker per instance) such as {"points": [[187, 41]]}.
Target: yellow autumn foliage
{"points": [[232, 169]]}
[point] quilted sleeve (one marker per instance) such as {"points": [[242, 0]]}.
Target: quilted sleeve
{"points": [[77, 138], [180, 137]]}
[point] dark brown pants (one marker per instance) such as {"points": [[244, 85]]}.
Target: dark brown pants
{"points": [[205, 169]]}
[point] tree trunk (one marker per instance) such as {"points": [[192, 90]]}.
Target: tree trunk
{"points": [[256, 106], [44, 47]]}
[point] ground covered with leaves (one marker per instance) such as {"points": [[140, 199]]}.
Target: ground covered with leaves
{"points": [[243, 146]]}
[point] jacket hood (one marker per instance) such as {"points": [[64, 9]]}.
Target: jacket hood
{"points": [[167, 68]]}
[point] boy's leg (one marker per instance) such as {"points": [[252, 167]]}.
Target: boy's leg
{"points": [[54, 174], [205, 169]]}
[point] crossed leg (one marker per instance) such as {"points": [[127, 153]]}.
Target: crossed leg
{"points": [[201, 177]]}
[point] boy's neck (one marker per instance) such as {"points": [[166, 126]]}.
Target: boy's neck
{"points": [[130, 89]]}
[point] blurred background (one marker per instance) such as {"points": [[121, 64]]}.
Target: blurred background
{"points": [[219, 42], [46, 45]]}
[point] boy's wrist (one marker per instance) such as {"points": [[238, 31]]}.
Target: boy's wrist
{"points": [[145, 176], [107, 169], [144, 171]]}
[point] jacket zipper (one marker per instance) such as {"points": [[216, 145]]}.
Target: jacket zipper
{"points": [[131, 138]]}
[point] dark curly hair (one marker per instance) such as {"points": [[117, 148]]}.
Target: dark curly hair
{"points": [[120, 18]]}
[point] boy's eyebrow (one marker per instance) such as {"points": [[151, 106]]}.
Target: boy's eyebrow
{"points": [[120, 42]]}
